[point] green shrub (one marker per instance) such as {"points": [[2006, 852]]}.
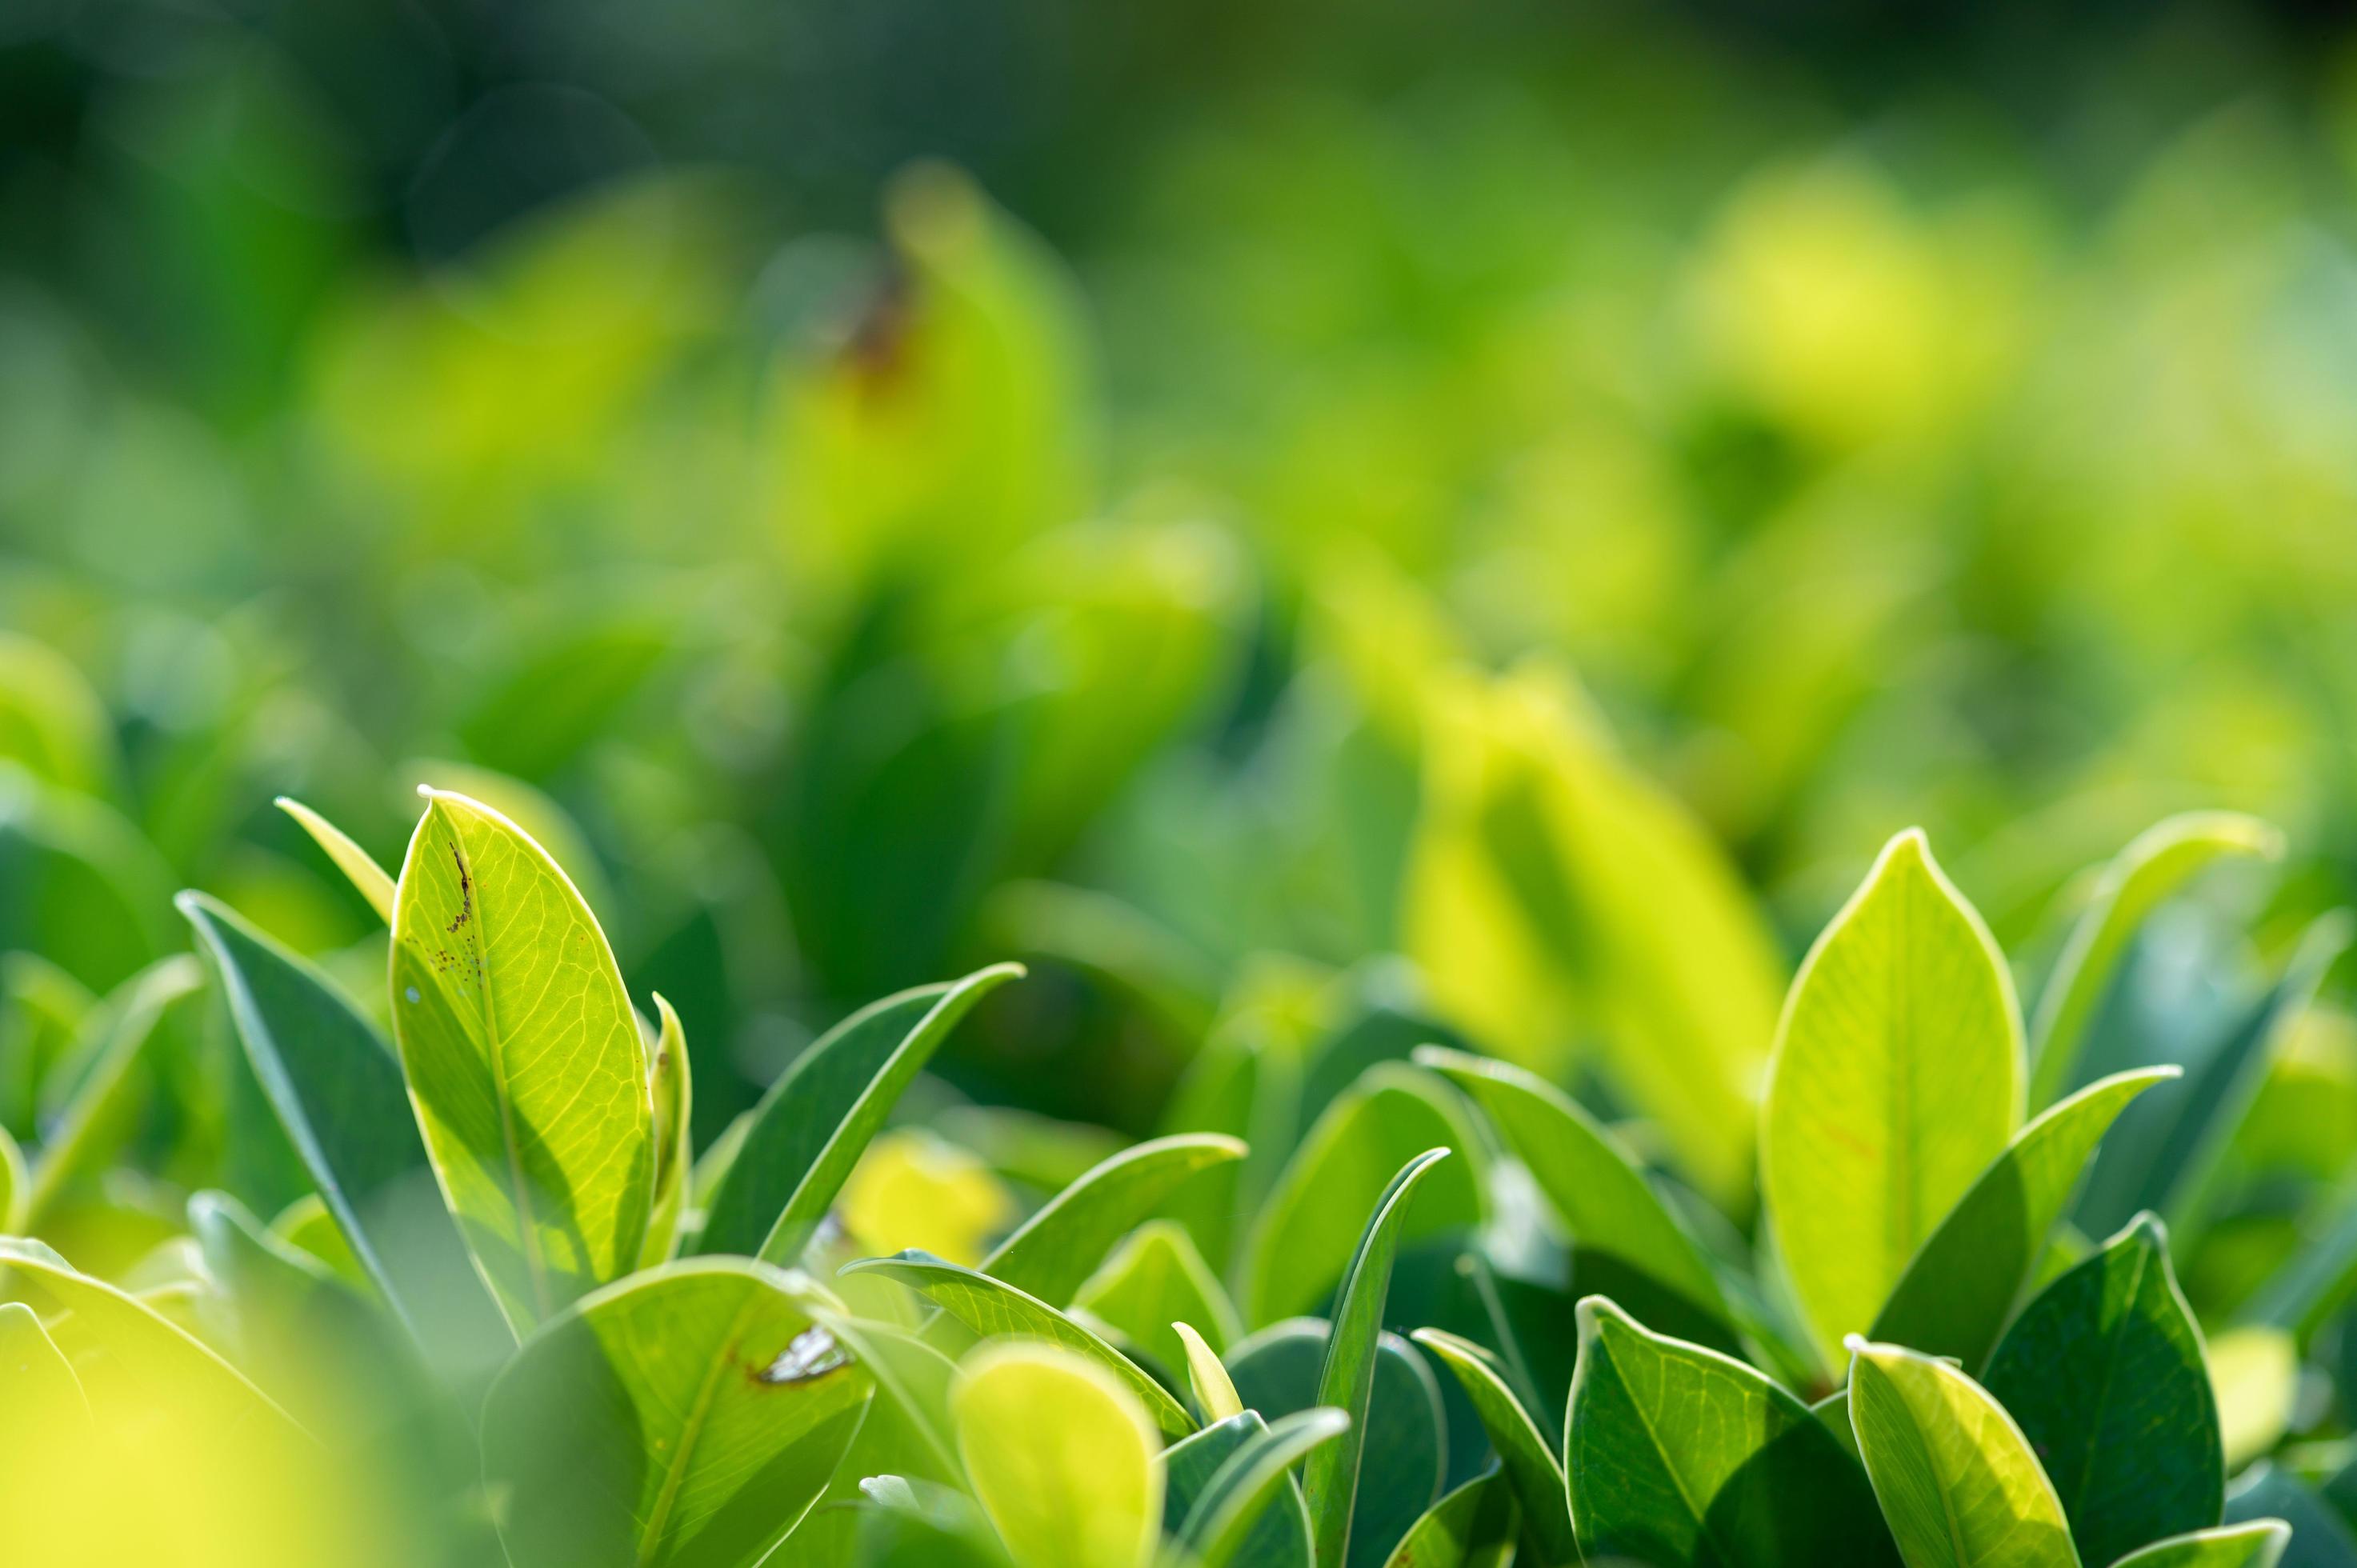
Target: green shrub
{"points": [[522, 1311]]}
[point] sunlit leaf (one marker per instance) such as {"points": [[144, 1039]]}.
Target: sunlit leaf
{"points": [[2256, 1545], [1958, 1290], [1061, 1456], [685, 1416], [2254, 1376], [1472, 1526], [1215, 1392], [673, 1094], [523, 1059], [1897, 1078], [359, 867], [1957, 1481]]}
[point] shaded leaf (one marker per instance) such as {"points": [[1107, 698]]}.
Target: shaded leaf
{"points": [[1956, 1294], [1153, 1282], [1277, 1537], [2320, 1538], [1230, 1510], [809, 1129], [1472, 1526], [1528, 1460], [2103, 1374], [2256, 1546], [338, 1093], [1676, 1454]]}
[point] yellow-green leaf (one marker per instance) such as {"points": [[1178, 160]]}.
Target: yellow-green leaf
{"points": [[1896, 1080], [359, 867], [1957, 1481], [523, 1059], [1061, 1456]]}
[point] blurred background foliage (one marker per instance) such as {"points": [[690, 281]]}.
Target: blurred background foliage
{"points": [[1306, 523]]}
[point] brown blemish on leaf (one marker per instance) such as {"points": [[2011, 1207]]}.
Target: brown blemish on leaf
{"points": [[465, 891]]}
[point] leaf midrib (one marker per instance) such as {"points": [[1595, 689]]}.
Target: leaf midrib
{"points": [[691, 1433], [472, 897]]}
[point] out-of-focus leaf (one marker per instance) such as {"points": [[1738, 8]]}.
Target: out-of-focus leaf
{"points": [[1675, 1454], [359, 867], [1897, 1078], [673, 1093], [1330, 1480], [1958, 1293], [911, 1524], [1052, 1252], [1279, 1538], [79, 884], [2259, 1545], [914, 1191], [565, 689], [1062, 1456], [1215, 1392], [338, 1093], [523, 1059], [1230, 1510], [51, 724], [1153, 1281], [2103, 1374], [689, 1415], [990, 1308], [811, 1128], [40, 1398], [1532, 1470], [1957, 1481], [127, 1355], [120, 1032], [913, 1376], [1307, 1230], [1472, 1526], [14, 1185], [2165, 1153], [2254, 1377], [1554, 896], [2320, 1538], [1595, 1188], [2158, 863]]}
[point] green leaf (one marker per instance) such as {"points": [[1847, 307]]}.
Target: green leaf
{"points": [[1329, 1481], [131, 1359], [2254, 1374], [1057, 1248], [523, 1059], [1595, 1186], [685, 1417], [1304, 1236], [1531, 1468], [338, 1093], [2167, 1153], [1957, 1481], [1229, 1512], [809, 1129], [1154, 1279], [1404, 1461], [2256, 1545], [906, 1524], [1956, 1294], [2320, 1537], [1062, 1456], [673, 1094], [359, 866], [1472, 1526], [2139, 878], [121, 1029], [1678, 1455], [913, 1375], [1215, 1393], [990, 1307], [1279, 1535], [14, 1185], [2103, 1374], [1895, 1081]]}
